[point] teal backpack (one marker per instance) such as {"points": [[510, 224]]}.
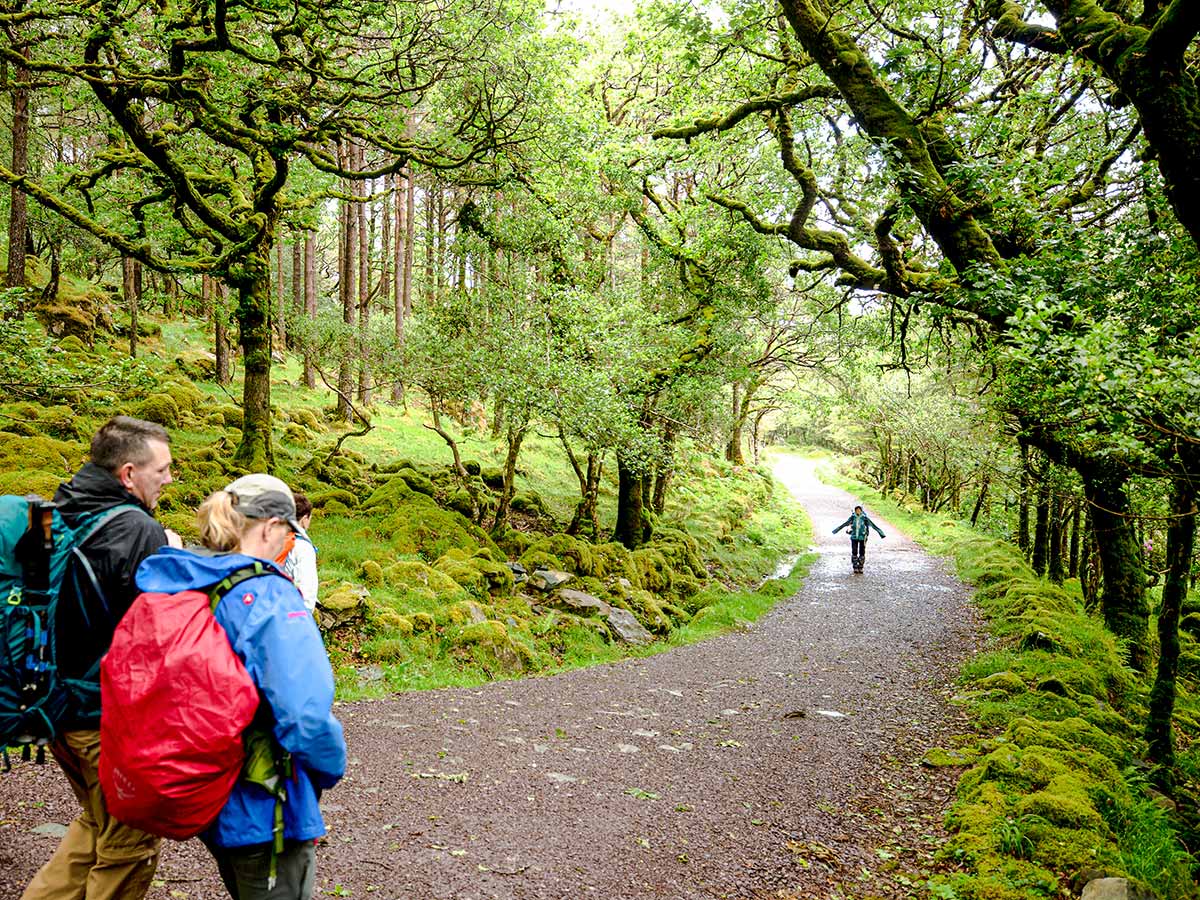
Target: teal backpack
{"points": [[39, 553]]}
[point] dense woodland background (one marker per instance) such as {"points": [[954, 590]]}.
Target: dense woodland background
{"points": [[957, 241]]}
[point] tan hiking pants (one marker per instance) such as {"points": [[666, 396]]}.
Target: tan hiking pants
{"points": [[98, 858]]}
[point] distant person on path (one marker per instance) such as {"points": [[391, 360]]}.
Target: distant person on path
{"points": [[130, 464], [860, 525], [298, 558], [272, 632]]}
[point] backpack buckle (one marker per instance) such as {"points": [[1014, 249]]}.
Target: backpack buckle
{"points": [[14, 596]]}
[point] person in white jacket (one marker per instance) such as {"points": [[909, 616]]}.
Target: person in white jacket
{"points": [[298, 559]]}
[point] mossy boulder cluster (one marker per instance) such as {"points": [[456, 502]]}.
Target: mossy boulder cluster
{"points": [[1047, 797], [475, 591]]}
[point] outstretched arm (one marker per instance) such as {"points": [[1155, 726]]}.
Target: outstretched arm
{"points": [[843, 525], [876, 527]]}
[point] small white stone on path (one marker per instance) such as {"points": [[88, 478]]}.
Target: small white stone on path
{"points": [[561, 777], [642, 732], [830, 713], [626, 748]]}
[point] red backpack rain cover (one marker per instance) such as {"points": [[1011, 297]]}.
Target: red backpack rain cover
{"points": [[175, 700]]}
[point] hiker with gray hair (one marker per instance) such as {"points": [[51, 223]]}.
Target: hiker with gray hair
{"points": [[112, 498], [263, 854]]}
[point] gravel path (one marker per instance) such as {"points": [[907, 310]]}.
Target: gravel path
{"points": [[780, 761]]}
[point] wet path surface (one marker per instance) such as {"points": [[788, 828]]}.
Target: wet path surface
{"points": [[777, 761]]}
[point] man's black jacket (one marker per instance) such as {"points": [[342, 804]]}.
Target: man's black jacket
{"points": [[84, 629]]}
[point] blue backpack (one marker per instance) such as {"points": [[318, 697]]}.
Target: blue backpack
{"points": [[39, 553]]}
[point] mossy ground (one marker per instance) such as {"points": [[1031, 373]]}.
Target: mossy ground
{"points": [[1057, 787], [441, 605]]}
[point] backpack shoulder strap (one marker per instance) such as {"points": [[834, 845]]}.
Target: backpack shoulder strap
{"points": [[222, 588], [93, 524]]}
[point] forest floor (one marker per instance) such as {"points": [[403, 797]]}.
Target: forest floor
{"points": [[777, 761]]}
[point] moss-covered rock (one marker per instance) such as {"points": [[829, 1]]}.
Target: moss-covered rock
{"points": [[499, 576], [24, 481], [371, 573], [465, 574], [65, 317], [464, 612], [460, 501], [320, 499], [1002, 681], [939, 757], [530, 503], [298, 435], [187, 396], [653, 570], [307, 418], [160, 408], [493, 478], [415, 574], [72, 344], [345, 604], [417, 481], [681, 550], [562, 551], [423, 622], [490, 646], [388, 620], [231, 415], [41, 454], [388, 496]]}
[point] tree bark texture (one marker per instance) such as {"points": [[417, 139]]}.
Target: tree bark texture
{"points": [[1181, 536], [132, 301], [310, 303], [1123, 594], [18, 215], [632, 524]]}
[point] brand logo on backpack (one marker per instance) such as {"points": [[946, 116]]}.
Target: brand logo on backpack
{"points": [[247, 599]]}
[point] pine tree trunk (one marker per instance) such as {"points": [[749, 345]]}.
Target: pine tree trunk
{"points": [[429, 287], [297, 288], [280, 306], [310, 303], [364, 285], [1181, 536], [132, 301], [399, 272], [18, 210], [349, 296]]}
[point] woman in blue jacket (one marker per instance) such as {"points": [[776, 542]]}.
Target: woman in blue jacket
{"points": [[276, 638], [860, 525]]}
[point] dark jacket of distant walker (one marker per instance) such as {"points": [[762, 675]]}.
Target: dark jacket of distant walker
{"points": [[859, 524]]}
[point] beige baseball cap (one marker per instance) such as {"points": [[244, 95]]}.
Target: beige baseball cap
{"points": [[263, 496]]}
